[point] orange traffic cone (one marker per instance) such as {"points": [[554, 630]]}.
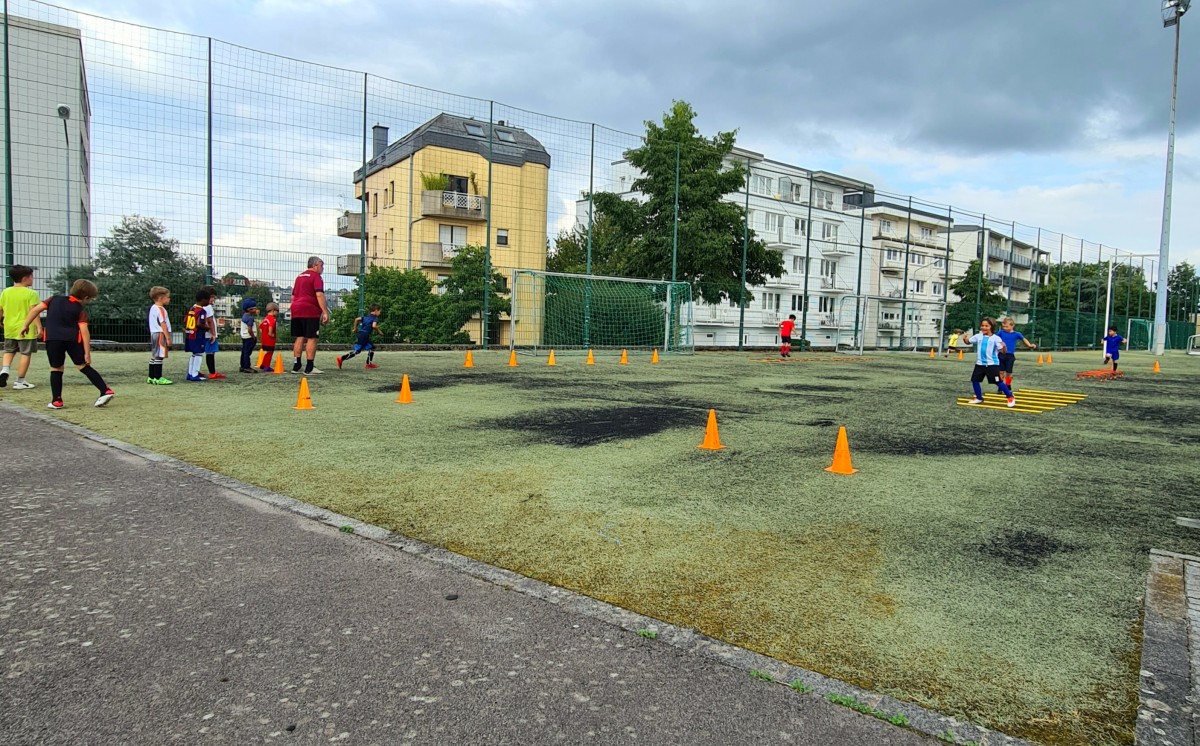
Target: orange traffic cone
{"points": [[469, 362], [841, 455], [278, 370], [405, 396], [512, 358], [261, 354], [303, 400], [1039, 358], [1049, 359], [932, 354], [1156, 368], [654, 358], [591, 358], [960, 354], [712, 439], [624, 357], [551, 360]]}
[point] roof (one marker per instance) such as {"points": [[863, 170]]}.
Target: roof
{"points": [[977, 228], [449, 131]]}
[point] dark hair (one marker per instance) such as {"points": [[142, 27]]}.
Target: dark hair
{"points": [[376, 307], [19, 272], [204, 294], [792, 316], [991, 323], [1112, 328], [84, 290]]}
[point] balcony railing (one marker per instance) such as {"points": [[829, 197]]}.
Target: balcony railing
{"points": [[434, 253], [453, 205], [828, 321], [890, 327], [830, 284], [350, 225], [836, 249]]}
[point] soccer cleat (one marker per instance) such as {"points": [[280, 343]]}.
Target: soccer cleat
{"points": [[371, 366], [1011, 402], [314, 372], [163, 381], [56, 404], [22, 385], [216, 376], [975, 401], [339, 362], [197, 379], [247, 370], [3, 379], [151, 380], [105, 398]]}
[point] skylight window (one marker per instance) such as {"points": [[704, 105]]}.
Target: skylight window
{"points": [[505, 136], [473, 129]]}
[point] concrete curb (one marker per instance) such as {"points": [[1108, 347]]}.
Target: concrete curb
{"points": [[1169, 679], [685, 639]]}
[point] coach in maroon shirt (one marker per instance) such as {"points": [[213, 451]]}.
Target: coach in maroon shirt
{"points": [[308, 313]]}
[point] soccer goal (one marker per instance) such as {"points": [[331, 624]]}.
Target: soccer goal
{"points": [[1140, 334], [558, 311], [1193, 345], [886, 322]]}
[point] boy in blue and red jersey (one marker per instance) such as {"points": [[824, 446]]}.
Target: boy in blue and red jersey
{"points": [[1011, 337], [195, 326], [1112, 347], [785, 335], [987, 362], [366, 326], [65, 332]]}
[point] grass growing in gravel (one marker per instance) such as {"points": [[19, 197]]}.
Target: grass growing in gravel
{"points": [[988, 564]]}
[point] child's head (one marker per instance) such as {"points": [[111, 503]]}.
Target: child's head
{"points": [[376, 309], [212, 293], [21, 275], [1112, 331], [160, 294], [204, 296], [792, 316], [1007, 323], [84, 291], [250, 306], [272, 308], [987, 326], [958, 331]]}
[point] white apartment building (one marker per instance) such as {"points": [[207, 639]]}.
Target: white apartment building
{"points": [[1013, 267], [51, 149]]}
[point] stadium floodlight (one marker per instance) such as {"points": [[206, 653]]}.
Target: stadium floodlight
{"points": [[1172, 15], [64, 113]]}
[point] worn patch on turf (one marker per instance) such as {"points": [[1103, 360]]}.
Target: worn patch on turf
{"points": [[578, 428], [1026, 549]]}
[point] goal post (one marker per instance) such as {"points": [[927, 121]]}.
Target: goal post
{"points": [[560, 311], [1139, 333]]}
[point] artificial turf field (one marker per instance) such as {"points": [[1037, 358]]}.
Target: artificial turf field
{"points": [[985, 563]]}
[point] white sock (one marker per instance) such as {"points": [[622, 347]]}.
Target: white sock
{"points": [[20, 379], [4, 369]]}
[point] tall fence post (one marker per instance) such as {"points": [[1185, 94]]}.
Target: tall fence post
{"points": [[9, 238], [984, 244], [1058, 292], [1078, 295], [808, 229], [745, 248], [675, 221], [587, 285], [362, 235], [487, 244], [208, 242]]}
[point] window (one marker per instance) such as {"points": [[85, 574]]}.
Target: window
{"points": [[994, 244], [772, 222], [937, 288], [927, 232], [473, 129], [441, 289], [799, 302], [889, 316], [916, 286], [770, 302], [760, 184], [799, 265], [916, 258], [823, 199], [458, 184], [391, 244], [829, 231], [505, 136], [892, 255], [800, 227], [826, 304], [938, 261], [502, 237], [452, 235], [828, 267], [375, 205], [797, 192], [392, 194], [886, 226]]}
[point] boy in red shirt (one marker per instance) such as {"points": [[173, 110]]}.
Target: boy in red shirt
{"points": [[785, 335], [266, 332]]}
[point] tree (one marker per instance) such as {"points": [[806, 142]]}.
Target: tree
{"points": [[1182, 289], [136, 256], [571, 249], [710, 229], [977, 299], [464, 289], [412, 312]]}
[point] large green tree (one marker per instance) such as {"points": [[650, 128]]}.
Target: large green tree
{"points": [[977, 299], [464, 289], [570, 253], [412, 312], [1183, 292], [710, 229]]}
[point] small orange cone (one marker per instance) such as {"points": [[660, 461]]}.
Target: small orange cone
{"points": [[1049, 359], [1039, 358], [512, 358], [712, 439], [1156, 368], [278, 370], [654, 358], [591, 359], [932, 355], [405, 396], [551, 360], [841, 455], [261, 354], [469, 362], [960, 354], [303, 400], [624, 357]]}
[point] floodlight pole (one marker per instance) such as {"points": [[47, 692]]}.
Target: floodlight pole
{"points": [[1176, 8], [64, 113]]}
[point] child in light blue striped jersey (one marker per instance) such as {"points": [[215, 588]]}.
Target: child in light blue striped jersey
{"points": [[987, 362]]}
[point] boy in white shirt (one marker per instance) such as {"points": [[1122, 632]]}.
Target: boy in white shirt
{"points": [[160, 335]]}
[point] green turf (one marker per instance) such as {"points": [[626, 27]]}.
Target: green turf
{"points": [[986, 563]]}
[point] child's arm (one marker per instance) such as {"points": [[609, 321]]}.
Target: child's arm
{"points": [[356, 323], [211, 323], [32, 318], [1028, 344], [86, 336], [374, 326]]}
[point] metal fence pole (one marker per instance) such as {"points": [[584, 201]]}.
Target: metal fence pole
{"points": [[362, 236], [808, 229], [487, 245], [1078, 294], [675, 222], [745, 248], [9, 238], [208, 243]]}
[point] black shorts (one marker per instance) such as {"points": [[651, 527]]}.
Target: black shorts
{"points": [[1006, 361], [990, 372], [307, 328], [786, 340], [57, 352]]}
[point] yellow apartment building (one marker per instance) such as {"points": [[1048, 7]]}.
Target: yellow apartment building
{"points": [[428, 195]]}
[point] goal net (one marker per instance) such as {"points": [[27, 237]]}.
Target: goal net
{"points": [[1140, 334], [552, 310]]}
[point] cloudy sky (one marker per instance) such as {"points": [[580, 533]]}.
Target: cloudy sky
{"points": [[1049, 112]]}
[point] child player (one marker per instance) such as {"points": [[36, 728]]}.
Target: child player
{"points": [[66, 333], [15, 303], [266, 332], [785, 335], [195, 325], [1112, 347], [366, 325], [246, 331], [953, 342], [1010, 337], [987, 362], [160, 335]]}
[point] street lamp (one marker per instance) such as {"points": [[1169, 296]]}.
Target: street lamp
{"points": [[1172, 15], [64, 113]]}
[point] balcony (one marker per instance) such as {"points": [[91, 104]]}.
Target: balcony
{"points": [[835, 249], [787, 281], [349, 265], [829, 321], [716, 316], [435, 204], [436, 254], [831, 285], [770, 318], [779, 239], [889, 327], [892, 266], [350, 225]]}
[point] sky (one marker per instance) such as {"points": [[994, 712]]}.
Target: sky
{"points": [[1052, 114]]}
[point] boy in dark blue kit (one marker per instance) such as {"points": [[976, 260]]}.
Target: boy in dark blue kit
{"points": [[366, 326], [1112, 347], [66, 335]]}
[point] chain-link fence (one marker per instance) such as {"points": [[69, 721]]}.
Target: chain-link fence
{"points": [[253, 162]]}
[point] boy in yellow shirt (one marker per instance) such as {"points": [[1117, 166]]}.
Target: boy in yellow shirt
{"points": [[15, 303]]}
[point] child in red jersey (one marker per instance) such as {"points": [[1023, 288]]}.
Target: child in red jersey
{"points": [[785, 335], [267, 333]]}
